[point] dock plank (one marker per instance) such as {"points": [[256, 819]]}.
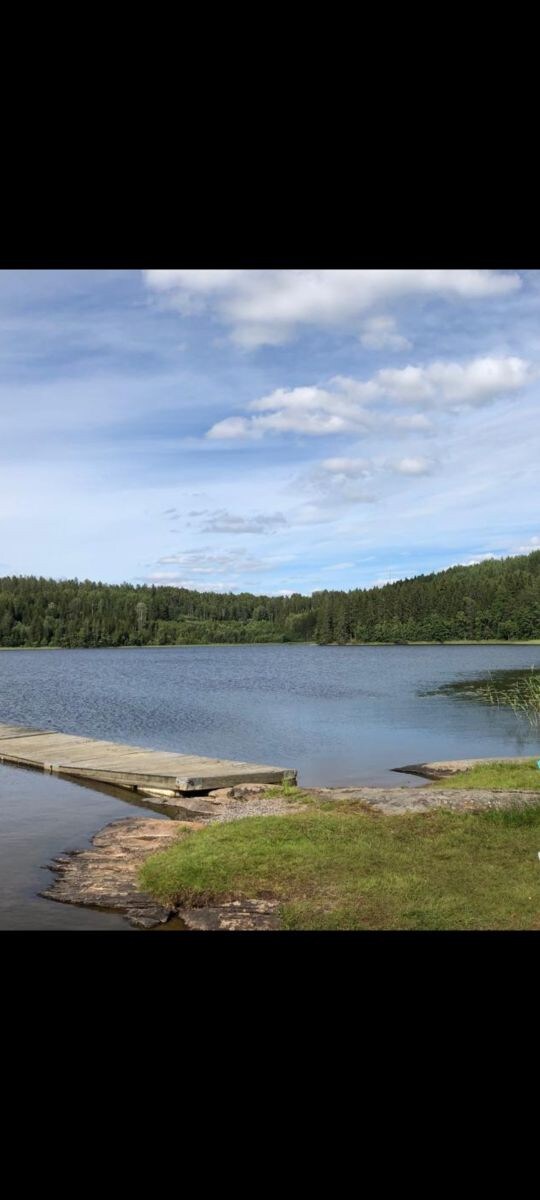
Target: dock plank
{"points": [[16, 731], [128, 766]]}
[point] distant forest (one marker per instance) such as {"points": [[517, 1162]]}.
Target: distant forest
{"points": [[498, 598]]}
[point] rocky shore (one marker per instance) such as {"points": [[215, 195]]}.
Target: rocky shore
{"points": [[453, 766], [106, 875]]}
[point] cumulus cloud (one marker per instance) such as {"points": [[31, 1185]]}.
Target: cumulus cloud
{"points": [[316, 424], [355, 406], [449, 384], [268, 307], [380, 333], [314, 411]]}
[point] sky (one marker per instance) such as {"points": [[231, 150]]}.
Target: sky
{"points": [[270, 431]]}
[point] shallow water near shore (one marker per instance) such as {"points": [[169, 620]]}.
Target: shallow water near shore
{"points": [[342, 715], [40, 816]]}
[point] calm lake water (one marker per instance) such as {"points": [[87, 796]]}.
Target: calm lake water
{"points": [[341, 715]]}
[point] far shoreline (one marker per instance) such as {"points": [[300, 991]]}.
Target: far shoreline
{"points": [[320, 645]]}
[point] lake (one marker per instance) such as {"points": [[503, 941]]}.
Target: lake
{"points": [[342, 715]]}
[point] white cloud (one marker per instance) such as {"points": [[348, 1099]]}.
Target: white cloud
{"points": [[164, 578], [352, 467], [415, 421], [471, 560], [333, 483], [204, 562], [222, 521], [103, 419], [380, 333], [341, 481], [448, 384], [354, 406], [313, 411], [315, 424], [532, 544], [510, 549], [344, 566], [413, 466], [268, 307], [232, 427], [316, 514]]}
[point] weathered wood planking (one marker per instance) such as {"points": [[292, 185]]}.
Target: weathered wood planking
{"points": [[128, 766]]}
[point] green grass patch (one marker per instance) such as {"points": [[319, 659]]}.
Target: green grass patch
{"points": [[336, 866], [288, 791], [523, 777]]}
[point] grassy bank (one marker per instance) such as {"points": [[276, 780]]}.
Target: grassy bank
{"points": [[501, 776], [336, 866]]}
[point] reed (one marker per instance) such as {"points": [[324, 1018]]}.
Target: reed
{"points": [[522, 696]]}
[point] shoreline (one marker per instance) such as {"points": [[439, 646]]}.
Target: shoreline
{"points": [[320, 645], [107, 875], [444, 768]]}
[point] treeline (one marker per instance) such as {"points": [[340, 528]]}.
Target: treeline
{"points": [[494, 599]]}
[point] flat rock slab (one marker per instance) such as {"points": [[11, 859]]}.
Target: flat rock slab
{"points": [[452, 766], [105, 876], [232, 804], [404, 800], [233, 915]]}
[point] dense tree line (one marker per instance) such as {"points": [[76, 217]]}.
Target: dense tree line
{"points": [[494, 599]]}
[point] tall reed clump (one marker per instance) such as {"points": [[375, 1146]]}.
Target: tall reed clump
{"points": [[522, 696]]}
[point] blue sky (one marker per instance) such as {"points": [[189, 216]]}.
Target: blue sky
{"points": [[266, 431]]}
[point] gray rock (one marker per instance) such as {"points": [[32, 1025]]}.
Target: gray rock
{"points": [[234, 915], [106, 875]]}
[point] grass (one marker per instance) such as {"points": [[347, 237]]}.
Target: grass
{"points": [[290, 791], [500, 776], [336, 866], [522, 696]]}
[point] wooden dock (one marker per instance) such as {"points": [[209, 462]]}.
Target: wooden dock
{"points": [[133, 767]]}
